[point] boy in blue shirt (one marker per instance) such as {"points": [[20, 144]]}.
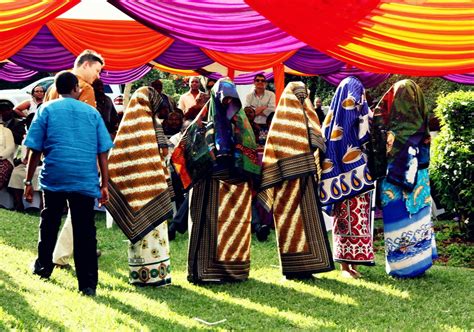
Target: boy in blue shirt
{"points": [[72, 137]]}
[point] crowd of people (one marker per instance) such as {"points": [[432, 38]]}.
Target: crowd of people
{"points": [[221, 169]]}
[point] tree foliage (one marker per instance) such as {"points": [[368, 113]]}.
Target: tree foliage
{"points": [[452, 159]]}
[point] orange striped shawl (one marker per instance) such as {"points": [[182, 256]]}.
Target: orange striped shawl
{"points": [[289, 142], [136, 165]]}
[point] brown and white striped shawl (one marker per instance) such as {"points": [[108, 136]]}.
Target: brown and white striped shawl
{"points": [[289, 172], [140, 197]]}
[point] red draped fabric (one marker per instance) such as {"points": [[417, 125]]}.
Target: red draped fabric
{"points": [[123, 44], [413, 37]]}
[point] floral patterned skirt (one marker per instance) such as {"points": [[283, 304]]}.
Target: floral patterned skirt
{"points": [[149, 258]]}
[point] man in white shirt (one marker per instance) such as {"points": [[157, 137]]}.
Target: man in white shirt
{"points": [[261, 100], [192, 101]]}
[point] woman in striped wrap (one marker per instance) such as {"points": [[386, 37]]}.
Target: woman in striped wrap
{"points": [[289, 185], [140, 198], [217, 156]]}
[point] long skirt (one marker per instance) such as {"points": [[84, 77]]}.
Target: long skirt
{"points": [[219, 230], [301, 233], [149, 258], [410, 245], [353, 230]]}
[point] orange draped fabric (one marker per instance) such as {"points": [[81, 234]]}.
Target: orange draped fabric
{"points": [[413, 37], [20, 20], [248, 62], [279, 80], [123, 44], [181, 72]]}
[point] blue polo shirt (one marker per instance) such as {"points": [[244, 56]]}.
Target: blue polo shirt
{"points": [[70, 134]]}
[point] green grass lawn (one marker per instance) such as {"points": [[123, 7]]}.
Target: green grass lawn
{"points": [[441, 300]]}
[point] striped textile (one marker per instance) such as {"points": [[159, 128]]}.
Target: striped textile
{"points": [[139, 196], [220, 216], [289, 173]]}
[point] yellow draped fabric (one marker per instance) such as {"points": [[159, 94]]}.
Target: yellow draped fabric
{"points": [[20, 20], [123, 44]]}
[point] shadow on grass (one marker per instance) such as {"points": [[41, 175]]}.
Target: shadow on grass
{"points": [[19, 308]]}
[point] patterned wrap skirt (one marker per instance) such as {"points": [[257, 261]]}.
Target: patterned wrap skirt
{"points": [[149, 258], [353, 230], [220, 230]]}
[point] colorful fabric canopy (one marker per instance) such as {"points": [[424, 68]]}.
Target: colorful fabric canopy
{"points": [[413, 37], [416, 37], [13, 73], [226, 26]]}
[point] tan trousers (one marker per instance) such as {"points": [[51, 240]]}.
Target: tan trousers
{"points": [[64, 245]]}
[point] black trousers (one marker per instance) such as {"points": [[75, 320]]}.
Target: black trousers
{"points": [[84, 235]]}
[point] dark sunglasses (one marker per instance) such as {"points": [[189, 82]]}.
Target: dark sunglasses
{"points": [[39, 91], [260, 80]]}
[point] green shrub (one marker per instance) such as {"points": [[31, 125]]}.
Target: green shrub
{"points": [[452, 155]]}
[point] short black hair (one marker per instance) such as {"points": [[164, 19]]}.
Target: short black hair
{"points": [[65, 82], [259, 75]]}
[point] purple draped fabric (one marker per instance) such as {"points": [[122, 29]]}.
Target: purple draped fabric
{"points": [[12, 73], [310, 61], [461, 78], [369, 80], [181, 55], [227, 26], [124, 76], [44, 53]]}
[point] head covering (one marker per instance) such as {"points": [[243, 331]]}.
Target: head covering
{"points": [[220, 137], [139, 195], [346, 130], [403, 114], [294, 138]]}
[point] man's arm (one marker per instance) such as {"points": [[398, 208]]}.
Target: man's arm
{"points": [[33, 161], [271, 104], [87, 95], [104, 176]]}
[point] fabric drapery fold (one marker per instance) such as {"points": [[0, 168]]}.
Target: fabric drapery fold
{"points": [[405, 37], [289, 174], [227, 26], [135, 46], [13, 73], [369, 80], [140, 198], [246, 62], [44, 53]]}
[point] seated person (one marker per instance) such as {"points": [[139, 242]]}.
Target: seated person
{"points": [[7, 150], [30, 106], [172, 125]]}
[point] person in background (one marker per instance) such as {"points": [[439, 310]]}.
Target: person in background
{"points": [[261, 100], [15, 185], [173, 124], [105, 106], [66, 131], [158, 86], [7, 150], [250, 112], [16, 126], [318, 108], [192, 101], [87, 67], [30, 105]]}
